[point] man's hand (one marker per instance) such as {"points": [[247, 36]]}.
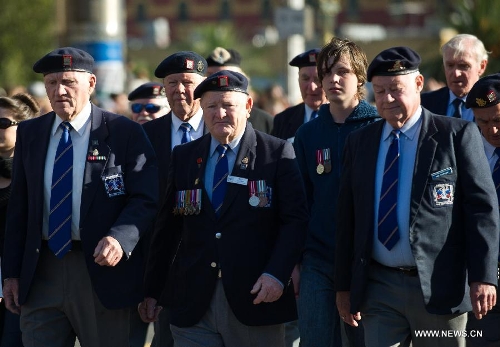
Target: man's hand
{"points": [[11, 295], [344, 308], [148, 310], [483, 297], [108, 252], [267, 289]]}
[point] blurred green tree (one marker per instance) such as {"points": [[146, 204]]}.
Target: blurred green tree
{"points": [[26, 33], [480, 18]]}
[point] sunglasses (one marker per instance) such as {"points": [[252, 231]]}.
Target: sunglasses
{"points": [[150, 108], [6, 123]]}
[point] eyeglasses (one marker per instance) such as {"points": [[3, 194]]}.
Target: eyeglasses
{"points": [[6, 123], [150, 108]]}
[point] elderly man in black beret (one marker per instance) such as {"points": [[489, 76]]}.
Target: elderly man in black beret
{"points": [[230, 59], [417, 236], [288, 121], [181, 73], [231, 228], [484, 100], [148, 102], [84, 193]]}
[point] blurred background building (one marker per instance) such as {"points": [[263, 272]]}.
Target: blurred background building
{"points": [[130, 37]]}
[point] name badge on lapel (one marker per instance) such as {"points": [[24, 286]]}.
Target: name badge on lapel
{"points": [[114, 184]]}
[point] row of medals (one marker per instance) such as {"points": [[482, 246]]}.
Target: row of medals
{"points": [[189, 209], [326, 167]]}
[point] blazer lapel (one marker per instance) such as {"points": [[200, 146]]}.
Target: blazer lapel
{"points": [[37, 152], [426, 148], [245, 162], [196, 176], [94, 168]]}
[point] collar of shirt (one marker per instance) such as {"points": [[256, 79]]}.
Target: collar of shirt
{"points": [[234, 145], [307, 114], [409, 129], [78, 123], [489, 150], [453, 97], [194, 121]]}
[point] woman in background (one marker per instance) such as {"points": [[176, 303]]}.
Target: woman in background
{"points": [[13, 110]]}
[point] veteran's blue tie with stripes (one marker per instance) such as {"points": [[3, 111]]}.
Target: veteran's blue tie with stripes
{"points": [[496, 179], [314, 114], [186, 129], [220, 178], [60, 196], [388, 232]]}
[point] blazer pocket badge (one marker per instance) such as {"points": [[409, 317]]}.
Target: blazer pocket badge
{"points": [[443, 194], [114, 184]]}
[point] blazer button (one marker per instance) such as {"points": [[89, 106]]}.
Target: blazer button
{"points": [[38, 250], [213, 264], [218, 235]]}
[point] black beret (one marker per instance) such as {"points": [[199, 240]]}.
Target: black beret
{"points": [[150, 90], [308, 58], [182, 62], [64, 59], [224, 57], [394, 61], [484, 93], [223, 80]]}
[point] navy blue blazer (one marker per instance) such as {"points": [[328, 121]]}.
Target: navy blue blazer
{"points": [[288, 121], [244, 241], [124, 217], [159, 132], [453, 243], [436, 101], [261, 120]]}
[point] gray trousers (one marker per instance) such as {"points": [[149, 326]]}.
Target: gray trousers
{"points": [[220, 328], [62, 305], [393, 313]]}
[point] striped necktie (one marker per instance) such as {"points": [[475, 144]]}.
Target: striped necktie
{"points": [[314, 114], [388, 232], [457, 108], [186, 129], [220, 178], [60, 196]]}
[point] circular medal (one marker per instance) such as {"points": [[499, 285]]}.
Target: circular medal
{"points": [[263, 201], [328, 166], [320, 169], [253, 201]]}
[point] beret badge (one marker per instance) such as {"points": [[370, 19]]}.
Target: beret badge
{"points": [[491, 96], [189, 64], [312, 57], [67, 61], [480, 102], [200, 66], [397, 66], [223, 81]]}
